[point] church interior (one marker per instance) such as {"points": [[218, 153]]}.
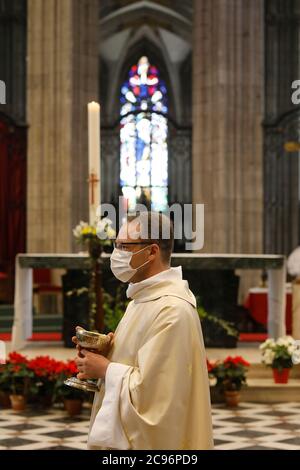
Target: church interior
{"points": [[160, 103]]}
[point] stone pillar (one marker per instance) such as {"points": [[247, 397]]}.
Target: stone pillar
{"points": [[62, 76], [227, 115]]}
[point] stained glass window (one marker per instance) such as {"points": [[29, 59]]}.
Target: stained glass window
{"points": [[143, 136]]}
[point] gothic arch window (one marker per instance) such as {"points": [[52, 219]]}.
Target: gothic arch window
{"points": [[143, 137]]}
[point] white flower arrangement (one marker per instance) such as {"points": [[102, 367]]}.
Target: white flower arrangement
{"points": [[280, 353], [81, 229], [101, 231], [104, 229]]}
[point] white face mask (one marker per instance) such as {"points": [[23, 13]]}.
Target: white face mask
{"points": [[120, 264]]}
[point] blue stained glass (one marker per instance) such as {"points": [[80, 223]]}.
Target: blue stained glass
{"points": [[159, 197], [124, 89], [143, 137]]}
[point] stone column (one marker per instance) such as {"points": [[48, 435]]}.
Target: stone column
{"points": [[227, 115], [227, 133], [62, 76]]}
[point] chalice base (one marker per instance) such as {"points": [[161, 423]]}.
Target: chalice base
{"points": [[85, 385]]}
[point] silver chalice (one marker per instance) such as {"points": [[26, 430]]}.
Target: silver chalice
{"points": [[92, 341]]}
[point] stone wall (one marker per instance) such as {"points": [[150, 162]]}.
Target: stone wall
{"points": [[62, 77], [227, 114]]}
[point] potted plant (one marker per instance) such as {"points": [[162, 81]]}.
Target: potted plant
{"points": [[278, 354], [45, 370], [71, 397], [114, 307], [19, 378], [230, 375], [83, 302], [211, 375], [214, 327], [216, 392]]}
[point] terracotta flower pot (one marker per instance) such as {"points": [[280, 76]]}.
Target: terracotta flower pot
{"points": [[73, 407], [4, 399], [232, 398], [216, 395], [18, 402], [281, 376]]}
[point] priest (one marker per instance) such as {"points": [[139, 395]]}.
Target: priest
{"points": [[154, 390]]}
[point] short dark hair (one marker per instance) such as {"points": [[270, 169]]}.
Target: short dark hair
{"points": [[156, 228]]}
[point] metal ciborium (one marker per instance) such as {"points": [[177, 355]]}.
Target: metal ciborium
{"points": [[92, 341]]}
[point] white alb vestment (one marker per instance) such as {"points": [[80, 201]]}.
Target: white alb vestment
{"points": [[156, 391]]}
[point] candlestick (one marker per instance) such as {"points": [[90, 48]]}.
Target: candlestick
{"points": [[94, 159]]}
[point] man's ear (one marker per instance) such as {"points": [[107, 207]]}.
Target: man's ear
{"points": [[154, 249]]}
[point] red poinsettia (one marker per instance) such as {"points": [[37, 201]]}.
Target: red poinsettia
{"points": [[44, 366], [41, 376], [70, 368], [210, 365], [62, 391], [235, 361], [230, 374], [16, 374], [16, 358], [49, 371]]}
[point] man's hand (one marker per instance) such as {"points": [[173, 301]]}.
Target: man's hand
{"points": [[91, 365]]}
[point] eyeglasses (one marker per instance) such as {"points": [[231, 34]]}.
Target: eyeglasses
{"points": [[124, 246]]}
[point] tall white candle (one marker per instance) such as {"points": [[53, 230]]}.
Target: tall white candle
{"points": [[94, 159]]}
